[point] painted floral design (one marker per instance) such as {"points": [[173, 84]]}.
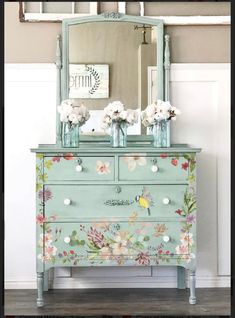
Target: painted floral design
{"points": [[133, 161], [102, 167], [160, 229], [45, 194], [113, 241], [174, 161]]}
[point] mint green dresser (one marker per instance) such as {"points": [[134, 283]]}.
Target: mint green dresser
{"points": [[101, 206]]}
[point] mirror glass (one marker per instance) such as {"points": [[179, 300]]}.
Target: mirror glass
{"points": [[108, 61]]}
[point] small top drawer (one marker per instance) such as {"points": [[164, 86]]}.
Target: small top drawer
{"points": [[69, 167], [157, 168]]}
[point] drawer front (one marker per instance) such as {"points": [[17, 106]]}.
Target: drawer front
{"points": [[68, 243], [79, 201], [158, 168], [79, 168]]}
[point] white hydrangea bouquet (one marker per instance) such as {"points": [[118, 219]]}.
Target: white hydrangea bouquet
{"points": [[115, 112], [116, 117], [157, 111], [72, 117], [73, 114], [157, 116]]}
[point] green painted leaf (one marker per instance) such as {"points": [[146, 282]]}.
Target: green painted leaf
{"points": [[146, 238], [48, 164], [39, 155]]}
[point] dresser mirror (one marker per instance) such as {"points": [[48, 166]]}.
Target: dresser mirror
{"points": [[106, 58]]}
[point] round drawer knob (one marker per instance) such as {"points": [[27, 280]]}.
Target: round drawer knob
{"points": [[78, 168], [166, 201], [154, 168], [166, 238], [67, 201]]}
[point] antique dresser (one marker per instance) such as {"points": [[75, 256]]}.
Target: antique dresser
{"points": [[91, 200]]}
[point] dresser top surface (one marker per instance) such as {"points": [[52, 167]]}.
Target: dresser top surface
{"points": [[132, 147]]}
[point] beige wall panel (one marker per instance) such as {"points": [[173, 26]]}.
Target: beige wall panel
{"points": [[36, 42], [28, 42], [199, 44], [187, 8]]}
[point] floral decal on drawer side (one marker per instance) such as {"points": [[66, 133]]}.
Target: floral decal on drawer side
{"points": [[134, 161], [103, 167], [188, 213]]}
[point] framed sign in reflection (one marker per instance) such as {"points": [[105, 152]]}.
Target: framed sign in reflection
{"points": [[88, 81]]}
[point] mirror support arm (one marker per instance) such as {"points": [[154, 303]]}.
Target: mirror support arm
{"points": [[58, 89], [167, 67]]}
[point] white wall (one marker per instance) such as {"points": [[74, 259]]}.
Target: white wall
{"points": [[201, 91]]}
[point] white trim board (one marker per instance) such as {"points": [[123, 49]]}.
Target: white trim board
{"points": [[167, 20], [104, 282]]}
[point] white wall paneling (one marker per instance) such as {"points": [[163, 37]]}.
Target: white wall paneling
{"points": [[201, 91]]}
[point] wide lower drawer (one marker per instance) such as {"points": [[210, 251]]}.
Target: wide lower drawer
{"points": [[68, 243], [71, 167], [78, 201], [157, 168]]}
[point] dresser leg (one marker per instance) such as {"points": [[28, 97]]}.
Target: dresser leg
{"points": [[40, 301], [192, 285], [181, 277], [45, 281]]}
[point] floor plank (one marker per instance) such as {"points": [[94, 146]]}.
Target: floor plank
{"points": [[118, 302]]}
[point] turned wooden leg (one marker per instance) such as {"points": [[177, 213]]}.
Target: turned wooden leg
{"points": [[45, 281], [192, 285], [40, 302], [180, 277]]}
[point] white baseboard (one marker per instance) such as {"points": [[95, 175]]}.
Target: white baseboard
{"points": [[119, 282]]}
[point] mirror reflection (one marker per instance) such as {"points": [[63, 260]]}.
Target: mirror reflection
{"points": [[108, 61]]}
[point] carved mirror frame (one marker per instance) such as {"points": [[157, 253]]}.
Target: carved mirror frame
{"points": [[62, 62]]}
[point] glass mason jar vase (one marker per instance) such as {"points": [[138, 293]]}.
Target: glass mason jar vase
{"points": [[161, 133], [70, 135], [118, 134]]}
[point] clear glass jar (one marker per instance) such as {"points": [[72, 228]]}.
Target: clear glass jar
{"points": [[161, 133], [70, 135], [118, 134]]}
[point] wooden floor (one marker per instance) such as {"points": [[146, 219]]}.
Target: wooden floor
{"points": [[118, 302]]}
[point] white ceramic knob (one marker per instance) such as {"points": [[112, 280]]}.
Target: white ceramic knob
{"points": [[67, 201], [166, 201], [166, 238], [78, 168], [154, 168]]}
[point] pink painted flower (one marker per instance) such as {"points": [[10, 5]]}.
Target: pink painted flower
{"points": [[138, 231], [143, 258], [50, 250], [102, 167], [40, 219], [56, 159], [185, 165], [71, 252], [68, 156], [134, 161], [186, 238], [45, 195], [65, 253], [167, 252], [179, 211], [174, 161], [182, 249], [120, 245], [163, 155]]}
